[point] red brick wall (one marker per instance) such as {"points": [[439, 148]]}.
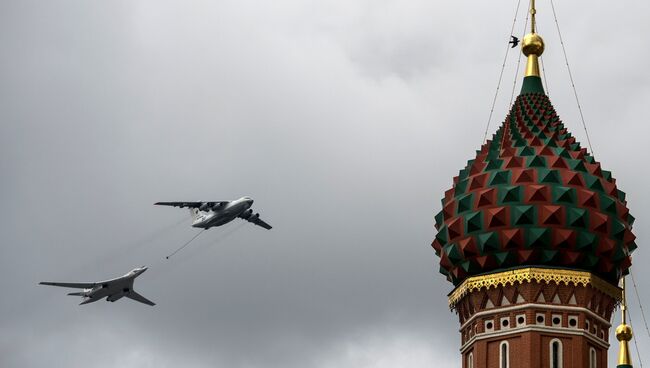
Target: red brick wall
{"points": [[576, 315]]}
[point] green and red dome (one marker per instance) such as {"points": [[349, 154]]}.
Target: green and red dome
{"points": [[533, 197]]}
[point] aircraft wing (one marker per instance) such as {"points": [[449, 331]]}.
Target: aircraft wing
{"points": [[190, 204], [80, 285], [261, 223], [139, 298], [255, 219]]}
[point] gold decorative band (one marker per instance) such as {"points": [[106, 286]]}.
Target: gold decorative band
{"points": [[545, 275]]}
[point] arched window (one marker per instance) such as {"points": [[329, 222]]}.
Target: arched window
{"points": [[470, 360], [504, 355], [555, 349], [593, 362]]}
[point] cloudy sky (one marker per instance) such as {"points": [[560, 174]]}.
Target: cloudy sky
{"points": [[345, 120]]}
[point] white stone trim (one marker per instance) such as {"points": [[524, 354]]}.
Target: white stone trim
{"points": [[536, 306], [573, 301], [522, 324], [558, 316], [533, 328], [560, 353], [593, 358], [507, 355]]}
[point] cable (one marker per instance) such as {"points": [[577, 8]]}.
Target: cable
{"points": [[186, 244], [575, 93], [636, 346], [503, 66], [638, 299], [541, 61], [514, 84]]}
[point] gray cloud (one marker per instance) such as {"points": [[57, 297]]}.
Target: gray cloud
{"points": [[346, 121]]}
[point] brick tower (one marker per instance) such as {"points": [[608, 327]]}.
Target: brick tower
{"points": [[535, 236]]}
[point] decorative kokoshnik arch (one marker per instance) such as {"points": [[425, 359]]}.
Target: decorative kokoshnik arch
{"points": [[530, 274]]}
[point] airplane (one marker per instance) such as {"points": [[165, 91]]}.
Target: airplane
{"points": [[216, 213], [112, 289]]}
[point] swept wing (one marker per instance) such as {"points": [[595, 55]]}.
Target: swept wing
{"points": [[191, 204], [80, 285], [255, 219], [139, 298]]}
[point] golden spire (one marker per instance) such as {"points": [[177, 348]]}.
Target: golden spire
{"points": [[624, 335], [533, 11], [532, 45]]}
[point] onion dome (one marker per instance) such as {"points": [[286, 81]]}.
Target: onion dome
{"points": [[533, 196]]}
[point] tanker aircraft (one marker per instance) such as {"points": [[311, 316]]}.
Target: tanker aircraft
{"points": [[216, 213], [112, 289]]}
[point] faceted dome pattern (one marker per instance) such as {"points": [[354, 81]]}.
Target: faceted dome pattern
{"points": [[533, 196]]}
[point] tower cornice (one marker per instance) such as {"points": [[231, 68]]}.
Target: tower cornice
{"points": [[529, 274]]}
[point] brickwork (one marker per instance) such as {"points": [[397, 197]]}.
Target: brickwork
{"points": [[529, 317]]}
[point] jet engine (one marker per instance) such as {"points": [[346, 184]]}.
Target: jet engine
{"points": [[217, 206], [247, 213], [204, 207], [114, 297], [85, 293], [117, 296], [255, 217]]}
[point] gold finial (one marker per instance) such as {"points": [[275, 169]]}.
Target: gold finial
{"points": [[624, 334], [532, 45]]}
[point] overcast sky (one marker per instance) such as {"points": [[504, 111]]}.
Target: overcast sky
{"points": [[345, 120]]}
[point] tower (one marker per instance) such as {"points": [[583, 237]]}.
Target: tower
{"points": [[535, 236]]}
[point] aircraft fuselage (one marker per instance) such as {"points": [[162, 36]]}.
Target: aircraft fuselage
{"points": [[112, 290], [221, 215]]}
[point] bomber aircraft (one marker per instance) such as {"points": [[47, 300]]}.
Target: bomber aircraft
{"points": [[112, 289], [216, 213]]}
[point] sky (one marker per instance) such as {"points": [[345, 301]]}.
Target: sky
{"points": [[345, 120]]}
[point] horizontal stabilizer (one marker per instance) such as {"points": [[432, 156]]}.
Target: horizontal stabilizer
{"points": [[81, 293]]}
